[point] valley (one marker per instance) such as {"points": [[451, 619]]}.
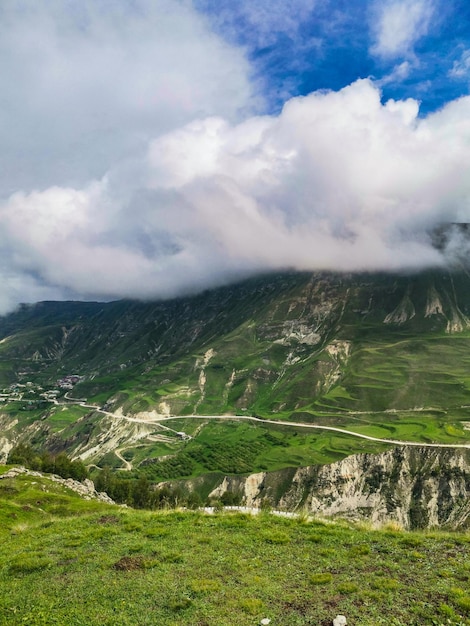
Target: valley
{"points": [[276, 373]]}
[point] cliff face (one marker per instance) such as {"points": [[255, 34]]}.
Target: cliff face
{"points": [[414, 487]]}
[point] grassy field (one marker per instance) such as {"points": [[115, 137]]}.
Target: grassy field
{"points": [[67, 561], [393, 387], [241, 447], [428, 370]]}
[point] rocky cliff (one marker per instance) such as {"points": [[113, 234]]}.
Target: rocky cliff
{"points": [[412, 487]]}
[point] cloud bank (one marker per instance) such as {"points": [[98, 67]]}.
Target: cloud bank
{"points": [[134, 161], [338, 180], [85, 84]]}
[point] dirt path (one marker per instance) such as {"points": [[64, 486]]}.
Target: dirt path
{"points": [[127, 466], [159, 420], [329, 428]]}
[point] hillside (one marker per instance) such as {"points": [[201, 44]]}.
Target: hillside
{"points": [[378, 357], [109, 565]]}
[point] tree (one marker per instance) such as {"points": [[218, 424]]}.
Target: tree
{"points": [[141, 494]]}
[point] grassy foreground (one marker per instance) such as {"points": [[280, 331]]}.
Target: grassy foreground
{"points": [[70, 562]]}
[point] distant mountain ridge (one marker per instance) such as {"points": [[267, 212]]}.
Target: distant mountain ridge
{"points": [[292, 309]]}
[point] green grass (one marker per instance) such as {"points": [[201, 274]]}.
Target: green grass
{"points": [[105, 565], [61, 417], [387, 371]]}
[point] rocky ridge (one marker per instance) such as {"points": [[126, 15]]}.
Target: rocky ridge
{"points": [[410, 487], [85, 489]]}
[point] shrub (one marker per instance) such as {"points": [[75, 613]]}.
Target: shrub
{"points": [[205, 585], [252, 606], [321, 579], [230, 498], [347, 588], [60, 464]]}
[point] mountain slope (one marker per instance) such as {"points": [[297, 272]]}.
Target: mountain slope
{"points": [[383, 355]]}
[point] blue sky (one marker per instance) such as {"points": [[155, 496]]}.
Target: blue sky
{"points": [[150, 148], [301, 46]]}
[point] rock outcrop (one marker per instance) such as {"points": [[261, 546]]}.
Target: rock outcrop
{"points": [[412, 487], [85, 489]]}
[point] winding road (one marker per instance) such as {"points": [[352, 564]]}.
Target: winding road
{"points": [[127, 466], [319, 427], [158, 421]]}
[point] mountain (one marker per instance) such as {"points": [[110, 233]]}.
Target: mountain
{"points": [[374, 355]]}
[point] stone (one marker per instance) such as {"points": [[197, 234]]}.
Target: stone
{"points": [[265, 621]]}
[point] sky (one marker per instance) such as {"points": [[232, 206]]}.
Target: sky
{"points": [[152, 148]]}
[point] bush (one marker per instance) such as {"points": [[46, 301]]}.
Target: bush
{"points": [[347, 588], [252, 606], [321, 579], [22, 454]]}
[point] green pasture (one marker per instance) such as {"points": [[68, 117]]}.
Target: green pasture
{"points": [[405, 384], [432, 371], [68, 561], [63, 416]]}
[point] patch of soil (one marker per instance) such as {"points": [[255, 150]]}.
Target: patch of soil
{"points": [[299, 607], [108, 519], [67, 561], [129, 563]]}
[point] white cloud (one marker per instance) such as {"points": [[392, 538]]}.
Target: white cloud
{"points": [[84, 84], [271, 17], [398, 25], [264, 20], [461, 68], [398, 74], [338, 180], [18, 287]]}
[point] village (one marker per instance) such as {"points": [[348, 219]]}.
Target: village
{"points": [[34, 395]]}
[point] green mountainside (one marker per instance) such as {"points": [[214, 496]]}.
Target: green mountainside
{"points": [[381, 355]]}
